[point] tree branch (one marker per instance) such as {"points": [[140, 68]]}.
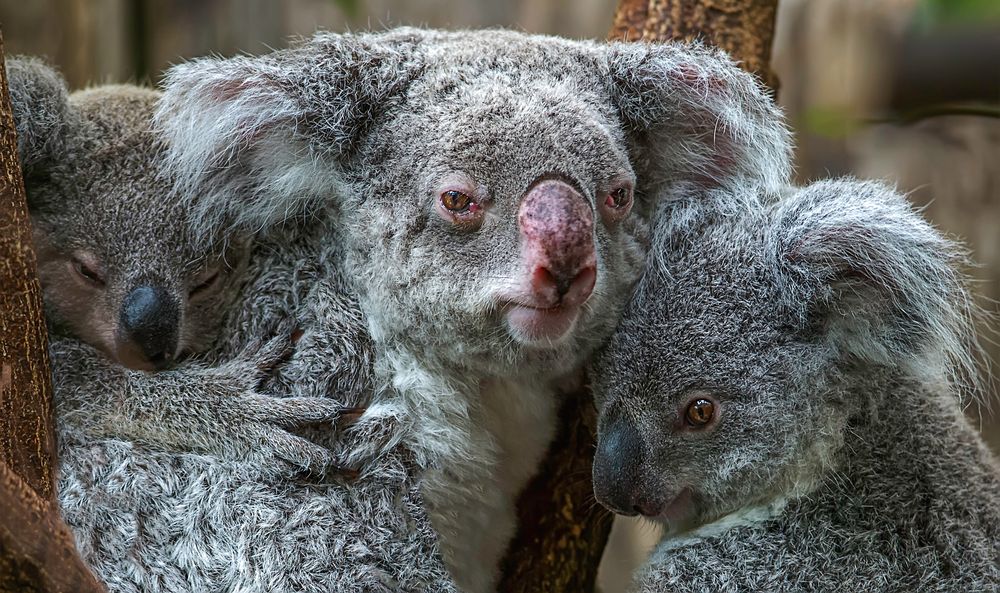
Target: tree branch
{"points": [[36, 548]]}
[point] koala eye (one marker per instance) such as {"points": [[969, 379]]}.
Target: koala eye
{"points": [[88, 273], [700, 412], [619, 198], [457, 206], [205, 284], [617, 203], [458, 202]]}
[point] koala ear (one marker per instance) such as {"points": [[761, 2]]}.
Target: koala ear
{"points": [[40, 104], [876, 279], [696, 117], [254, 140]]}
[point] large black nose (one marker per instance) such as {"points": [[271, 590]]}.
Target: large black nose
{"points": [[150, 319], [617, 467]]}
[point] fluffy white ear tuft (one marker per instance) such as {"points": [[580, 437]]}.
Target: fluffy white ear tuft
{"points": [[882, 283], [697, 118], [255, 140]]}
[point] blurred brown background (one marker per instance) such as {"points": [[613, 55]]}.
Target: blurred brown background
{"points": [[857, 77]]}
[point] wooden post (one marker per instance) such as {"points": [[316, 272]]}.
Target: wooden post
{"points": [[37, 552], [563, 530]]}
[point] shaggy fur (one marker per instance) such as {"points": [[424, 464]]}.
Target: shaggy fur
{"points": [[367, 129], [257, 515], [832, 329], [95, 194]]}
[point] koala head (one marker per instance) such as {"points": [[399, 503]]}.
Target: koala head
{"points": [[760, 330], [493, 185], [116, 262]]}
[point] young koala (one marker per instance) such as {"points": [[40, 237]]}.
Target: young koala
{"points": [[784, 395], [147, 516], [488, 191], [127, 289]]}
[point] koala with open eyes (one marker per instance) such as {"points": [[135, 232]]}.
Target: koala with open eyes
{"points": [[487, 193], [795, 417], [127, 290]]}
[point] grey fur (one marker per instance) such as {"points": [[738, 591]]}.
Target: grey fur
{"points": [[94, 184], [832, 327], [364, 128], [147, 516]]}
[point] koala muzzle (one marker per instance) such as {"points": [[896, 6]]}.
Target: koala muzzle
{"points": [[557, 228], [618, 470], [149, 327]]}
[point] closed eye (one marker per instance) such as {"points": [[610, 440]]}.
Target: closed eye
{"points": [[205, 284]]}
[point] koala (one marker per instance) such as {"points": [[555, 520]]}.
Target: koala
{"points": [[487, 195], [795, 417], [117, 266], [128, 291], [168, 479]]}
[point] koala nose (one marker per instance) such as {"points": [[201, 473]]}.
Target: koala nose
{"points": [[617, 469], [150, 319], [557, 229]]}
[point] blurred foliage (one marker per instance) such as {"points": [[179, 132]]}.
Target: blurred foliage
{"points": [[931, 14], [829, 122], [352, 8]]}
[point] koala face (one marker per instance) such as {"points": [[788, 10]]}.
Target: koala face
{"points": [[492, 186], [115, 258], [507, 214], [761, 329], [701, 388]]}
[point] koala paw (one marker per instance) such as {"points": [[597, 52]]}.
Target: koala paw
{"points": [[259, 427]]}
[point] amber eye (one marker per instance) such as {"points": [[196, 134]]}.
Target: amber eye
{"points": [[700, 412], [456, 201], [87, 273], [619, 198]]}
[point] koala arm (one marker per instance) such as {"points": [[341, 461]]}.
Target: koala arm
{"points": [[219, 410]]}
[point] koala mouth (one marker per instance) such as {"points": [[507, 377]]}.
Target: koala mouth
{"points": [[678, 515], [537, 326]]}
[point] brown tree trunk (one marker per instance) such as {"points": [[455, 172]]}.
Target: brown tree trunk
{"points": [[563, 530], [744, 28], [36, 548]]}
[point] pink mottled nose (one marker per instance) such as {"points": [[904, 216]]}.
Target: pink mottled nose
{"points": [[557, 229]]}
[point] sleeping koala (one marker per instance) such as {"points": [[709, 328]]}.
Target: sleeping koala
{"points": [[784, 395], [127, 290], [120, 271], [118, 268]]}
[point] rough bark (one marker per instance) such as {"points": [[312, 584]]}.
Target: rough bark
{"points": [[744, 28], [563, 530], [36, 548]]}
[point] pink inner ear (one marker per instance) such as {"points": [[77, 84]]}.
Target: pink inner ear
{"points": [[723, 156], [697, 79]]}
